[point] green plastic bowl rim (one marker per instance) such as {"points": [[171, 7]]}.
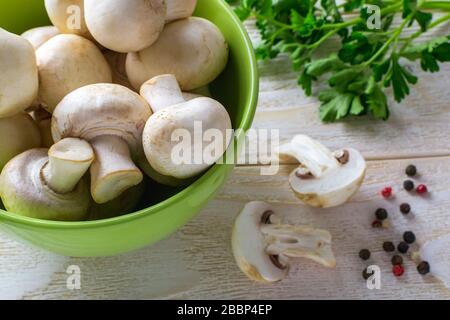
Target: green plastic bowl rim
{"points": [[244, 125]]}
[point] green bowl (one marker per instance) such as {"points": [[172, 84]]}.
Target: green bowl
{"points": [[168, 209]]}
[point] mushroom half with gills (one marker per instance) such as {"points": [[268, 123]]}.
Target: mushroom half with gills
{"points": [[111, 117], [173, 114], [263, 246], [324, 179], [49, 184]]}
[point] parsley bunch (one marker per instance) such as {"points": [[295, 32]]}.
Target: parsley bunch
{"points": [[368, 60]]}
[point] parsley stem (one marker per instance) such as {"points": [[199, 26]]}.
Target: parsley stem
{"points": [[441, 5]]}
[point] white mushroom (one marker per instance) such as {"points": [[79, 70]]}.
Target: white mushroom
{"points": [[68, 16], [43, 120], [39, 36], [179, 9], [192, 49], [263, 247], [324, 179], [49, 184], [116, 61], [17, 134], [18, 74], [68, 62], [172, 113], [112, 118]]}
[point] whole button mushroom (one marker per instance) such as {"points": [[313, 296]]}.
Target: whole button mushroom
{"points": [[111, 117], [17, 134], [172, 114], [324, 179], [49, 184], [179, 9], [18, 74], [192, 49], [67, 62], [263, 246], [39, 36], [68, 16]]}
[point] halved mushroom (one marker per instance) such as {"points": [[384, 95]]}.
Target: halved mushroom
{"points": [[172, 113], [324, 179], [18, 134], [49, 184], [192, 49], [133, 25], [263, 246], [67, 62], [111, 117], [19, 74], [39, 36], [68, 16]]}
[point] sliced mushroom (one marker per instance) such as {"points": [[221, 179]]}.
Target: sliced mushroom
{"points": [[116, 62], [112, 118], [68, 62], [39, 36], [263, 247], [49, 184], [192, 49], [18, 74], [68, 16], [173, 113], [18, 134], [324, 179]]}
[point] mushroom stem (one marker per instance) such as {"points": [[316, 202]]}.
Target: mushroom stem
{"points": [[312, 155], [162, 92], [68, 161], [299, 242], [113, 170]]}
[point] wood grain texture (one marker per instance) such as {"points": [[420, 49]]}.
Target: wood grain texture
{"points": [[197, 261]]}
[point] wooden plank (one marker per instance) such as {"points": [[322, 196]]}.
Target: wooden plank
{"points": [[197, 261]]}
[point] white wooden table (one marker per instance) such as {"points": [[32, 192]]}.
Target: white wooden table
{"points": [[197, 262]]}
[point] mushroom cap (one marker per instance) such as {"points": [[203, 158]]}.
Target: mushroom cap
{"points": [[143, 164], [157, 136], [102, 109], [179, 9], [24, 192], [249, 245], [116, 61], [18, 134], [19, 74], [125, 26], [192, 49], [335, 187], [62, 15], [68, 62], [39, 36]]}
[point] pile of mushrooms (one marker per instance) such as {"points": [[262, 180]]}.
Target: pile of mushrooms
{"points": [[78, 131]]}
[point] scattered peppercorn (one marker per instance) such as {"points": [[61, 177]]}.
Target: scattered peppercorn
{"points": [[423, 268], [381, 214], [411, 170], [405, 208], [388, 246], [408, 185], [398, 270], [397, 260], [421, 189], [409, 237], [386, 192], [377, 224], [403, 247], [364, 254], [366, 275]]}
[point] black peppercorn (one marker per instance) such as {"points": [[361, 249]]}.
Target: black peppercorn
{"points": [[366, 275], [403, 247], [423, 268], [381, 214], [364, 254], [411, 170], [405, 208], [409, 237], [397, 260], [388, 246], [408, 185]]}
